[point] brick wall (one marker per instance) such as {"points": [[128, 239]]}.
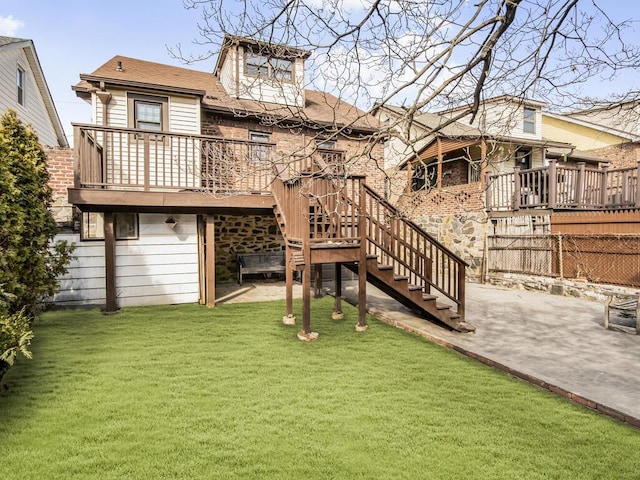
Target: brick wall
{"points": [[456, 199], [60, 164], [299, 141], [621, 156]]}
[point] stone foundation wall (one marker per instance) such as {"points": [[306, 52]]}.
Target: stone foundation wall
{"points": [[236, 234], [463, 234]]}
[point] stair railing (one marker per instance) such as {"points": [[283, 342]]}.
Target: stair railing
{"points": [[412, 252]]}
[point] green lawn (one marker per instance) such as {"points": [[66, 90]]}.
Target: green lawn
{"points": [[187, 392]]}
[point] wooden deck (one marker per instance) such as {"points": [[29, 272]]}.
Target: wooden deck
{"points": [[559, 187], [325, 215]]}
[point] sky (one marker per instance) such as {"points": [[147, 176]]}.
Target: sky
{"points": [[73, 37]]}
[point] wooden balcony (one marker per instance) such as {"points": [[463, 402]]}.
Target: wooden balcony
{"points": [[129, 167], [559, 187]]}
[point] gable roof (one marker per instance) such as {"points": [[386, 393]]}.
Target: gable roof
{"points": [[321, 108], [10, 43]]}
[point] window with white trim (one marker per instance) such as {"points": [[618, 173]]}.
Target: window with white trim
{"points": [[529, 121], [257, 152], [148, 112]]}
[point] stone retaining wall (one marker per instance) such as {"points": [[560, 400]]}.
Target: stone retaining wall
{"points": [[463, 234], [557, 286]]}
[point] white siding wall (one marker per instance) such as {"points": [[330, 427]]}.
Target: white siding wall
{"points": [[228, 73], [270, 90], [184, 112], [34, 111], [161, 267], [173, 162], [84, 282], [507, 118], [396, 149]]}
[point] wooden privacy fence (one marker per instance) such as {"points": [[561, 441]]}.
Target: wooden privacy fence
{"points": [[604, 258]]}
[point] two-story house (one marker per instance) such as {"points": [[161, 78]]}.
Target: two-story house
{"points": [[185, 170], [442, 168], [23, 88]]}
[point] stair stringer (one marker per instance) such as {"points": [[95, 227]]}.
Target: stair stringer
{"points": [[415, 299]]}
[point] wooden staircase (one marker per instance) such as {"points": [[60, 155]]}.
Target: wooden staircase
{"points": [[327, 218]]}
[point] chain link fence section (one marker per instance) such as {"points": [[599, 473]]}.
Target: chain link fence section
{"points": [[602, 258]]}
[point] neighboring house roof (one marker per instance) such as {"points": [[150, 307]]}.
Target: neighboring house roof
{"points": [[9, 43], [321, 108], [596, 126], [458, 130]]}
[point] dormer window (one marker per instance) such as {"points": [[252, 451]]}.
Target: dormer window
{"points": [[529, 123], [269, 67]]}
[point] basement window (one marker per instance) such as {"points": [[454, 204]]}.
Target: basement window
{"points": [[125, 226]]}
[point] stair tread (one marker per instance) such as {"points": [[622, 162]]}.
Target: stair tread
{"points": [[372, 256], [400, 278], [427, 298], [442, 306], [385, 267], [413, 288]]}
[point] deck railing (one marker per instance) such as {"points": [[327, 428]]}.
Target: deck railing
{"points": [[131, 159], [563, 188]]}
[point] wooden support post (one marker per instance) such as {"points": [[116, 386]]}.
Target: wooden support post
{"points": [[461, 290], [625, 188], [483, 163], [487, 192], [553, 185], [306, 299], [289, 282], [362, 263], [79, 141], [440, 159], [579, 194], [604, 186], [318, 281], [337, 278], [210, 258], [516, 188], [111, 305]]}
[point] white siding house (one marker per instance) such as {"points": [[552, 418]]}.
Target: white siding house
{"points": [[24, 88]]}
